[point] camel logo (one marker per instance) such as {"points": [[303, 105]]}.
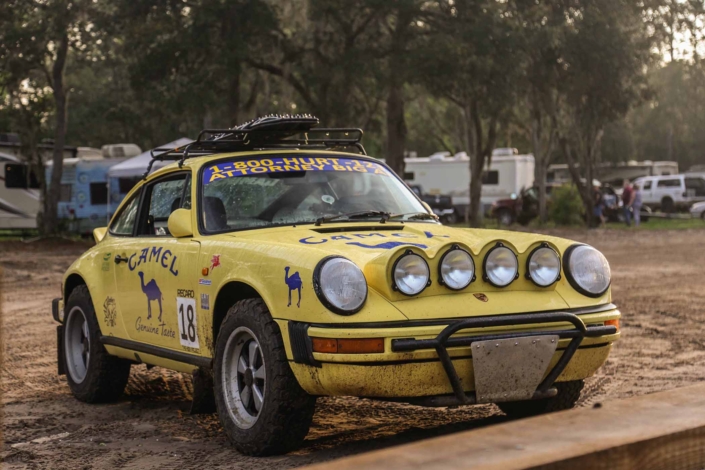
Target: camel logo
{"points": [[294, 283], [152, 291], [110, 311], [481, 297]]}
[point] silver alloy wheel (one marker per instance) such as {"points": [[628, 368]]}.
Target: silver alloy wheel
{"points": [[243, 377], [77, 342]]}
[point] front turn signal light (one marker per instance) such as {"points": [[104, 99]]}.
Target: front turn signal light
{"points": [[348, 346], [614, 323]]}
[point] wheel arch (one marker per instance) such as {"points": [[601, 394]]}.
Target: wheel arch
{"points": [[233, 291], [73, 281]]}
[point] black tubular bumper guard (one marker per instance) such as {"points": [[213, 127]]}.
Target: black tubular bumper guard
{"points": [[444, 341]]}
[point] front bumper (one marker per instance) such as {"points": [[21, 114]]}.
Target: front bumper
{"points": [[435, 358]]}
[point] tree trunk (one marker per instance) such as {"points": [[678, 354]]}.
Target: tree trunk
{"points": [[234, 97], [51, 195], [396, 127], [539, 168], [477, 163]]}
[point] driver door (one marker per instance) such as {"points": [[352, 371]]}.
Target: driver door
{"points": [[156, 283]]}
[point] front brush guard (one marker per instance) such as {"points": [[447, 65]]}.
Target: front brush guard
{"points": [[445, 340]]}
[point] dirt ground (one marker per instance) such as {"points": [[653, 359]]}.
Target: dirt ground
{"points": [[657, 283]]}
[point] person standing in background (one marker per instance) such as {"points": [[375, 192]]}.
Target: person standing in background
{"points": [[636, 204], [599, 207], [627, 199]]}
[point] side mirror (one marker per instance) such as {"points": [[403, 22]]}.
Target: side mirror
{"points": [[179, 223], [99, 233]]}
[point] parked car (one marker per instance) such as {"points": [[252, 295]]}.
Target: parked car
{"points": [[276, 268], [698, 210], [671, 193], [524, 208]]}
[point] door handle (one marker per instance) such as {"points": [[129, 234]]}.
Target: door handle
{"points": [[120, 259]]}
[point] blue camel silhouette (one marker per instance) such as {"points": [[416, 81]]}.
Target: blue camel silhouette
{"points": [[151, 290], [294, 282]]}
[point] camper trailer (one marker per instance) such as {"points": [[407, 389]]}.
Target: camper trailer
{"points": [[615, 173], [443, 174], [19, 194]]}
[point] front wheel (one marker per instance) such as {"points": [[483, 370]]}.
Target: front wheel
{"points": [[260, 404], [92, 374], [568, 395]]}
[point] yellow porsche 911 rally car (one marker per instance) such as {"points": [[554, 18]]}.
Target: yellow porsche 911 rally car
{"points": [[276, 268]]}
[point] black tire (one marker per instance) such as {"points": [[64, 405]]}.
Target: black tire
{"points": [[667, 205], [504, 217], [105, 375], [568, 395], [286, 411]]}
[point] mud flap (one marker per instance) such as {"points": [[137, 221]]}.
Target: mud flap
{"points": [[203, 401], [61, 361]]}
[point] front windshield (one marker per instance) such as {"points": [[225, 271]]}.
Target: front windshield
{"points": [[294, 189]]}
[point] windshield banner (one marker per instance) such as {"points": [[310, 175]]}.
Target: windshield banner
{"points": [[288, 164]]}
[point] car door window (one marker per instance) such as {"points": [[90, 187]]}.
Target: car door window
{"points": [[647, 185], [162, 198], [669, 183], [124, 223], [696, 186]]}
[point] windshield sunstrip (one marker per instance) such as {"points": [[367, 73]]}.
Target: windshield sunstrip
{"points": [[261, 166]]}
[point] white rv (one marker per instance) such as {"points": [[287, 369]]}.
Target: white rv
{"points": [[442, 174], [19, 194]]}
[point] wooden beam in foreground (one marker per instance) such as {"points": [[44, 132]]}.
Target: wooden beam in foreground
{"points": [[661, 431]]}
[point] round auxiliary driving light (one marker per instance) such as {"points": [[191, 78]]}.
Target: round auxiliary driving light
{"points": [[410, 273], [544, 266], [457, 269], [501, 266]]}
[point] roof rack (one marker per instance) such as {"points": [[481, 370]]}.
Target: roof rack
{"points": [[268, 132]]}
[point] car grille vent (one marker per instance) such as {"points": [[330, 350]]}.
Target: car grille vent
{"points": [[365, 228]]}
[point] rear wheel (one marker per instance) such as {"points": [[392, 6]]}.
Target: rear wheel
{"points": [[92, 374], [568, 395], [260, 404], [667, 205]]}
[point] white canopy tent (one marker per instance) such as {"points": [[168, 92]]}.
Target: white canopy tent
{"points": [[136, 166]]}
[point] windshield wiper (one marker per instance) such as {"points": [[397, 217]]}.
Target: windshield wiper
{"points": [[354, 215], [415, 216]]}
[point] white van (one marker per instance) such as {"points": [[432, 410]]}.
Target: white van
{"points": [[669, 193]]}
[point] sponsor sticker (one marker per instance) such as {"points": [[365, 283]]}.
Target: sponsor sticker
{"points": [[205, 302], [205, 282], [188, 327]]}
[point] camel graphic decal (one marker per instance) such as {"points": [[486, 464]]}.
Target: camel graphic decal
{"points": [[294, 283], [151, 290]]}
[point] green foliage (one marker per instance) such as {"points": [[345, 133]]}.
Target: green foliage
{"points": [[566, 206]]}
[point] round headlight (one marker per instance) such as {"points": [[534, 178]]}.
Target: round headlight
{"points": [[340, 285], [457, 269], [587, 270], [501, 266], [411, 274], [544, 266]]}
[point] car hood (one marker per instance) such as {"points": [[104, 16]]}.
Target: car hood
{"points": [[375, 247]]}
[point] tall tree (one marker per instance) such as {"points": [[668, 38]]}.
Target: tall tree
{"points": [[471, 60], [605, 59], [35, 41]]}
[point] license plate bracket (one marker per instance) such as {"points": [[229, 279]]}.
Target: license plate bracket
{"points": [[511, 369]]}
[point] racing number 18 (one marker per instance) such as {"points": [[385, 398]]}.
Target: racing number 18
{"points": [[188, 328]]}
